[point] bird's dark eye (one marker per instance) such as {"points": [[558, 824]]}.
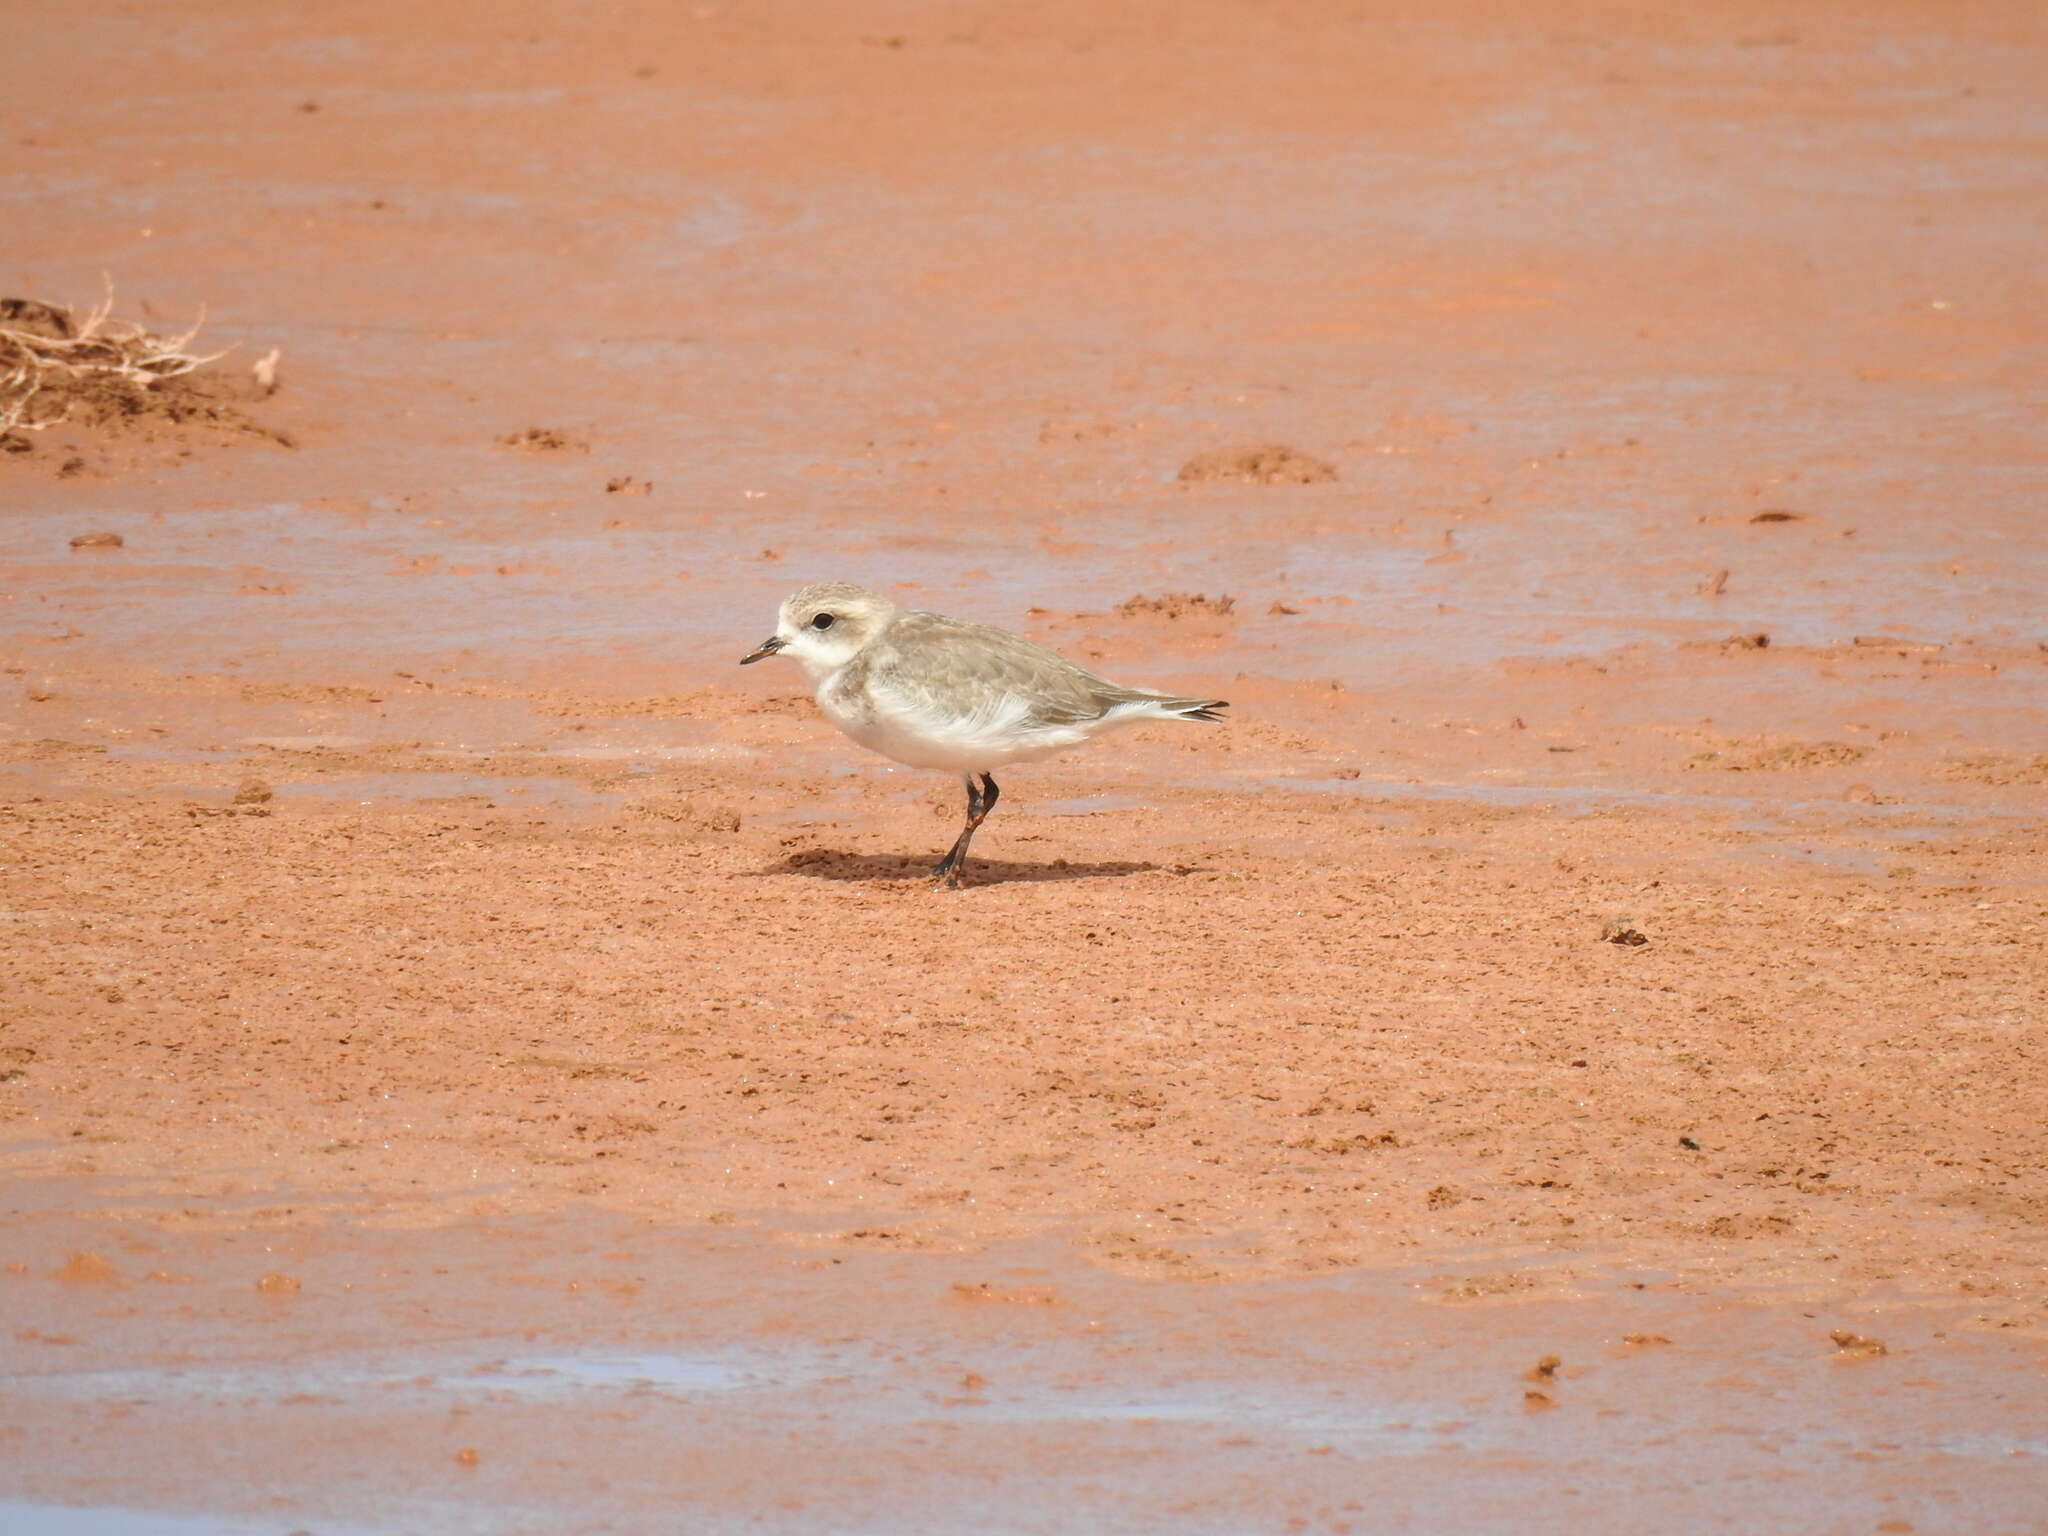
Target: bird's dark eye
{"points": [[822, 621]]}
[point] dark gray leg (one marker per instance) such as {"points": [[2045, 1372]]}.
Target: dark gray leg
{"points": [[981, 799]]}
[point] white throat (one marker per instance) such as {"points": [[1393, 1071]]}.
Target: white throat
{"points": [[819, 654]]}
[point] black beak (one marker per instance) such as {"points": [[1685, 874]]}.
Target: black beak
{"points": [[767, 647]]}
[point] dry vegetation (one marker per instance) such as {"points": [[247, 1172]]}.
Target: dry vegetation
{"points": [[59, 366]]}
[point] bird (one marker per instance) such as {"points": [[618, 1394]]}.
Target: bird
{"points": [[936, 692]]}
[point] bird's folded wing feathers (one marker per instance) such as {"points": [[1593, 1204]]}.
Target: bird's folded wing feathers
{"points": [[939, 667]]}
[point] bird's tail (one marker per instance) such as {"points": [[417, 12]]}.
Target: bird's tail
{"points": [[1191, 709]]}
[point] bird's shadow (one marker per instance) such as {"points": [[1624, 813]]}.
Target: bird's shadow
{"points": [[833, 864]]}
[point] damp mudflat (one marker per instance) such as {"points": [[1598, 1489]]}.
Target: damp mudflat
{"points": [[472, 1058], [576, 1372]]}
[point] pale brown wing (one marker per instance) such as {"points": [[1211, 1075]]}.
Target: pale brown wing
{"points": [[943, 665]]}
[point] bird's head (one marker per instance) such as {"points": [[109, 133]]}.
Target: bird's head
{"points": [[825, 625]]}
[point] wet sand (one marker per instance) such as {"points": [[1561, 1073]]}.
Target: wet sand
{"points": [[1615, 907], [335, 1370]]}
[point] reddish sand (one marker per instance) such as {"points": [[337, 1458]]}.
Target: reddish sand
{"points": [[1615, 908]]}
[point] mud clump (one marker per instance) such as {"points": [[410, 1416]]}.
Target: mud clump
{"points": [[124, 405], [1480, 1287], [173, 409], [88, 1269], [1176, 605], [1819, 754], [33, 317], [1784, 757], [277, 1283], [1746, 1228], [543, 440], [2001, 771], [1264, 464], [689, 815], [980, 1292]]}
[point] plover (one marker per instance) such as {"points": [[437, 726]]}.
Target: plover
{"points": [[934, 692]]}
